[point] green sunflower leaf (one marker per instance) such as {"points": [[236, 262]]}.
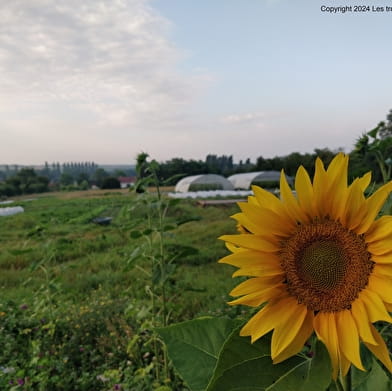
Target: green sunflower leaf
{"points": [[194, 347], [243, 366], [374, 379]]}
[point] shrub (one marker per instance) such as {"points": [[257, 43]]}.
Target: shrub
{"points": [[110, 183]]}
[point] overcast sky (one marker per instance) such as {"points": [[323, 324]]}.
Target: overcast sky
{"points": [[102, 80]]}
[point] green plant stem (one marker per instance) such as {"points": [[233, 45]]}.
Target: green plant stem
{"points": [[161, 215], [344, 382], [384, 172], [153, 303]]}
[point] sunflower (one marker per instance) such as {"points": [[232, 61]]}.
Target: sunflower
{"points": [[319, 260]]}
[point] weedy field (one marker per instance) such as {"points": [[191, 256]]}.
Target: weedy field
{"points": [[75, 304]]}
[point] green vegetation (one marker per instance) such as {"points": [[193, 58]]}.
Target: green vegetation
{"points": [[25, 181], [205, 186], [75, 309]]}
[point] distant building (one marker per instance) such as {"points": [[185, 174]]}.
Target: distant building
{"points": [[203, 182], [126, 181], [269, 179]]}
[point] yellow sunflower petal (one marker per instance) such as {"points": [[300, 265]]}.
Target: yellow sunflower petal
{"points": [[380, 350], [356, 207], [251, 242], [268, 200], [266, 319], [362, 321], [348, 338], [258, 271], [233, 248], [319, 181], [382, 286], [249, 258], [338, 168], [374, 203], [252, 200], [384, 259], [299, 340], [286, 331], [255, 284], [289, 201], [260, 297], [325, 327], [244, 221], [374, 306], [266, 221], [388, 306], [383, 270], [304, 189], [380, 229], [338, 192], [380, 247], [344, 364], [364, 181]]}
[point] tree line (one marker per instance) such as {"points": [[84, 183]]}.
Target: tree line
{"points": [[67, 176], [372, 152]]}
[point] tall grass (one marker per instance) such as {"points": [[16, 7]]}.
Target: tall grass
{"points": [[69, 289]]}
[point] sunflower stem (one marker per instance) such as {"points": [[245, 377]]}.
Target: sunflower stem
{"points": [[344, 382]]}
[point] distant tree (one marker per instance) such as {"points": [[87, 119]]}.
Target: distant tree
{"points": [[110, 182], [99, 175], [66, 179], [7, 190], [118, 173], [263, 164], [82, 177], [222, 165], [25, 181], [84, 185]]}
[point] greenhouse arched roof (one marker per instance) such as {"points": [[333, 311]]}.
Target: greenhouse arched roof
{"points": [[203, 182], [245, 180]]}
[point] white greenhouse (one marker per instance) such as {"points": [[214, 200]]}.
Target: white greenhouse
{"points": [[203, 182], [266, 178]]}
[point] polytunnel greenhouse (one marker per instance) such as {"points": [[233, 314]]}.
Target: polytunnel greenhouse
{"points": [[267, 179], [203, 182]]}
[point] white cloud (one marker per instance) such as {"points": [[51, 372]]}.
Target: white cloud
{"points": [[108, 62], [252, 119]]}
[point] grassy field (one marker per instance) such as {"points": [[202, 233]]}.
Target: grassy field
{"points": [[75, 304]]}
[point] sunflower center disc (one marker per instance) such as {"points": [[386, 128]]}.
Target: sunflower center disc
{"points": [[323, 264], [326, 265]]}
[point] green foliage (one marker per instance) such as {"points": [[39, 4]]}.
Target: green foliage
{"points": [[372, 152], [375, 378], [62, 266], [110, 183], [205, 186], [291, 162], [224, 361], [99, 176], [83, 347], [194, 347], [25, 181]]}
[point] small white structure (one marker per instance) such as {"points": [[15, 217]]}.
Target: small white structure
{"points": [[245, 180], [126, 181], [9, 211], [212, 194], [203, 182]]}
